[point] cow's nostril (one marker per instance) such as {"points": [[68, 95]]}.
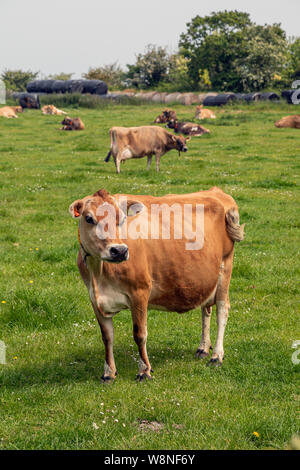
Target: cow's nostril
{"points": [[114, 251]]}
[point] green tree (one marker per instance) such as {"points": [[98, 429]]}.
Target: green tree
{"points": [[212, 43], [150, 68], [265, 55], [16, 80], [112, 74]]}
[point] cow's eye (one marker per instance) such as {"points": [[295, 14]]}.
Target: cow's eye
{"points": [[90, 220]]}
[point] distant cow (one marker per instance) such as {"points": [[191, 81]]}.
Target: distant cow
{"points": [[203, 113], [50, 109], [144, 141], [166, 116], [122, 271], [30, 101], [70, 124], [187, 128], [289, 121], [10, 111]]}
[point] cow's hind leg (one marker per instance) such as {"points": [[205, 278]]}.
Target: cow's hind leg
{"points": [[222, 304], [205, 345], [139, 318], [149, 161]]}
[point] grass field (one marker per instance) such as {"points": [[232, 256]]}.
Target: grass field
{"points": [[50, 390]]}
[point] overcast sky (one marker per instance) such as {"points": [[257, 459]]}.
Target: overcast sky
{"points": [[53, 36]]}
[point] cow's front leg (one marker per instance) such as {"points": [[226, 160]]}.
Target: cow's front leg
{"points": [[157, 160], [149, 158], [205, 344], [107, 330], [117, 163], [139, 318]]}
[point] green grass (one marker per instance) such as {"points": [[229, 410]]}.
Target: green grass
{"points": [[50, 390]]}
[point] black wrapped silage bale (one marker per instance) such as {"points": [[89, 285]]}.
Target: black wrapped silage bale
{"points": [[33, 86], [77, 86], [291, 96], [270, 96], [255, 96], [219, 100]]}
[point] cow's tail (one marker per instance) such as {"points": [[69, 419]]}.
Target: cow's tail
{"points": [[108, 156], [113, 145], [234, 229]]}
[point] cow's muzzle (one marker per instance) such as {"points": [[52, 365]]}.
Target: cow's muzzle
{"points": [[118, 253]]}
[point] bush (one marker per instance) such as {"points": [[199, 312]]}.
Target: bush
{"points": [[111, 74], [77, 100], [17, 80]]}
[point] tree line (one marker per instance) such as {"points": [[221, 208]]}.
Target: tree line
{"points": [[223, 51]]}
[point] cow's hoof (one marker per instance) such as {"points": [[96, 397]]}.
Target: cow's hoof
{"points": [[106, 379], [143, 376], [215, 361], [201, 353]]}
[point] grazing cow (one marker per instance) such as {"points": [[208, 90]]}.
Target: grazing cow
{"points": [[10, 111], [187, 128], [166, 116], [289, 121], [138, 142], [123, 266], [70, 124], [203, 113], [50, 109]]}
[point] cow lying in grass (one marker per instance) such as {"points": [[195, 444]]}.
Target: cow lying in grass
{"points": [[203, 113], [143, 141], [50, 109], [72, 124], [125, 271], [165, 116], [10, 111], [187, 128], [289, 121]]}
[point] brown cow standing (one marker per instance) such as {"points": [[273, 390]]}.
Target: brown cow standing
{"points": [[72, 124], [187, 128], [138, 142], [166, 116], [289, 121], [126, 271]]}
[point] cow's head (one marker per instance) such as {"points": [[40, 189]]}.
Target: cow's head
{"points": [[178, 142], [100, 217], [67, 121], [18, 109], [172, 124], [166, 115]]}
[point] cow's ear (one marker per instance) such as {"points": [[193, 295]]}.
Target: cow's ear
{"points": [[76, 208], [188, 138], [134, 208], [130, 207]]}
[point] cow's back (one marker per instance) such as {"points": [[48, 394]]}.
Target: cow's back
{"points": [[181, 279]]}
